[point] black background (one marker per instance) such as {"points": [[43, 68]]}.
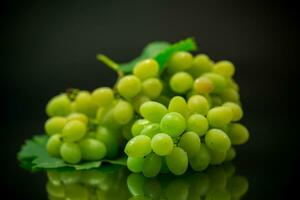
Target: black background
{"points": [[48, 46]]}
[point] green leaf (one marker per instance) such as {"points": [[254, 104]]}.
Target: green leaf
{"points": [[34, 156]]}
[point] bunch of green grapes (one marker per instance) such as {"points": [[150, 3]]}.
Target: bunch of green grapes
{"points": [[87, 185]]}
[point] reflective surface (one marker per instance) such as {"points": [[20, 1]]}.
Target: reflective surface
{"points": [[216, 183]]}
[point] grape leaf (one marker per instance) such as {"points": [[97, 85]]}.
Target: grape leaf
{"points": [[34, 156]]}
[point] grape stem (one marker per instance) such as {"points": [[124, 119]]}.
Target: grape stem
{"points": [[111, 64]]}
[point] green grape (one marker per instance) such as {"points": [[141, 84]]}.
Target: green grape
{"points": [[190, 142], [177, 161], [59, 106], [180, 61], [230, 95], [110, 140], [216, 100], [129, 86], [76, 192], [238, 134], [74, 130], [197, 123], [198, 104], [201, 159], [217, 140], [230, 155], [135, 164], [152, 87], [177, 189], [151, 129], [153, 111], [55, 125], [219, 116], [173, 124], [78, 116], [152, 165], [92, 149], [162, 144], [217, 157], [200, 65], [138, 146], [138, 126], [203, 85], [181, 82], [237, 186], [84, 104], [224, 68], [138, 100], [105, 116], [123, 112], [237, 112], [178, 104], [219, 82], [103, 96], [53, 145], [145, 69], [55, 190], [70, 152], [135, 184], [232, 84]]}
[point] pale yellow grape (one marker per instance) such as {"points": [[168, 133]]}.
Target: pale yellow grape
{"points": [[181, 82], [92, 149], [238, 133], [178, 104], [219, 82], [138, 100], [123, 112], [162, 144], [219, 116], [59, 106], [103, 96], [203, 85], [54, 125], [74, 130], [138, 146], [138, 126], [152, 87], [70, 152], [198, 124], [53, 145], [153, 111], [237, 112], [148, 68], [231, 95], [201, 64], [180, 61], [198, 104], [217, 140], [129, 86], [190, 142], [84, 104], [224, 68], [78, 116]]}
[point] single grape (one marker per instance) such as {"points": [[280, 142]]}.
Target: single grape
{"points": [[190, 142], [219, 82], [237, 112], [231, 153], [92, 149], [138, 146], [123, 112], [151, 130], [181, 82], [145, 69], [153, 111], [70, 152], [180, 61], [74, 130], [135, 164], [201, 64], [78, 116], [53, 145], [173, 124], [198, 124], [219, 116], [103, 96], [129, 86], [238, 133], [152, 87], [178, 104], [59, 106], [162, 144], [198, 104], [177, 161], [216, 101], [230, 95], [203, 85], [217, 140], [55, 125], [217, 157], [138, 126], [232, 84], [152, 165], [201, 160], [84, 104], [139, 100], [224, 68], [110, 140]]}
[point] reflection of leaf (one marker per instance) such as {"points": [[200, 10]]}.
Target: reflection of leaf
{"points": [[34, 156]]}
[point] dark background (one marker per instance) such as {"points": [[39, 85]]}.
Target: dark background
{"points": [[48, 46]]}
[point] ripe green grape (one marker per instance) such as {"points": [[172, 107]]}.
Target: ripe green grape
{"points": [[203, 85], [135, 164], [197, 123], [217, 140], [230, 155], [138, 146], [230, 95], [180, 61], [216, 100], [181, 82], [110, 140], [173, 124], [201, 64], [145, 69], [219, 116], [59, 106], [138, 126], [177, 161], [84, 104], [162, 144], [103, 96], [190, 142], [217, 157], [74, 130], [178, 104], [151, 130], [198, 104], [152, 165], [92, 149], [78, 116], [224, 68], [237, 112], [139, 100], [201, 160], [123, 112], [55, 125], [53, 145], [129, 86], [219, 82], [70, 152], [238, 134], [153, 111], [152, 87]]}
